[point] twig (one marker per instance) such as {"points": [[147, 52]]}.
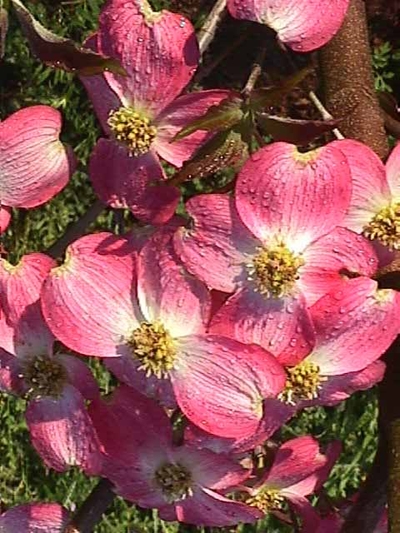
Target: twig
{"points": [[92, 509], [256, 71], [324, 113], [207, 32], [76, 229]]}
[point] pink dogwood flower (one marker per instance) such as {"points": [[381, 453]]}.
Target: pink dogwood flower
{"points": [[34, 164], [276, 245], [304, 25], [374, 209], [56, 385], [182, 482], [34, 518], [140, 113], [148, 316]]}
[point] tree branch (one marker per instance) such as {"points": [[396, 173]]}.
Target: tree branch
{"points": [[207, 33]]}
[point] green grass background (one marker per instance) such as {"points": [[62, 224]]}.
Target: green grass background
{"points": [[24, 81]]}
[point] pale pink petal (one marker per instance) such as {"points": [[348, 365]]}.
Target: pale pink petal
{"points": [[167, 292], [393, 173], [303, 25], [300, 197], [5, 217], [34, 518], [176, 116], [220, 384], [34, 163], [208, 508], [62, 432], [89, 301], [159, 52], [370, 187], [123, 181], [332, 256], [295, 460], [79, 375], [217, 245], [354, 326], [281, 326]]}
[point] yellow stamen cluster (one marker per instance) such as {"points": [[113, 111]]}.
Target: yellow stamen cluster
{"points": [[175, 481], [152, 344], [266, 500], [275, 270], [132, 129], [44, 376], [302, 383], [385, 227]]}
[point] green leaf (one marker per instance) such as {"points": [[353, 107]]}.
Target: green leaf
{"points": [[218, 117], [56, 51]]}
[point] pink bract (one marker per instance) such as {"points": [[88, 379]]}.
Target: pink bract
{"points": [[55, 384], [140, 457], [303, 25], [288, 204], [34, 164], [160, 54], [100, 301], [34, 518]]}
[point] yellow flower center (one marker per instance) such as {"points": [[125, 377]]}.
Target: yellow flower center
{"points": [[385, 227], [302, 383], [175, 481], [152, 344], [44, 376], [132, 129], [275, 270], [265, 500]]}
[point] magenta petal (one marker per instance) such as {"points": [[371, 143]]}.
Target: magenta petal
{"points": [[5, 218], [393, 172], [354, 326], [62, 432], [370, 190], [159, 52], [295, 460], [310, 518], [10, 371], [167, 292], [215, 248], [34, 163], [220, 384], [80, 376], [300, 197], [208, 508], [327, 258], [35, 518], [176, 116], [88, 302], [281, 326], [304, 25]]}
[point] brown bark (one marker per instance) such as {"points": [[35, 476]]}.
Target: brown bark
{"points": [[348, 82]]}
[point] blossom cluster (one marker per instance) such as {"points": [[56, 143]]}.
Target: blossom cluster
{"points": [[219, 325]]}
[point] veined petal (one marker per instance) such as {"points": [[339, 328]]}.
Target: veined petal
{"points": [[298, 197], [89, 302], [304, 25], [330, 257], [295, 460], [370, 189], [62, 432], [34, 164], [281, 326], [176, 116], [393, 173], [220, 384], [35, 518], [216, 247], [167, 293], [158, 50], [354, 326], [5, 218], [123, 181]]}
